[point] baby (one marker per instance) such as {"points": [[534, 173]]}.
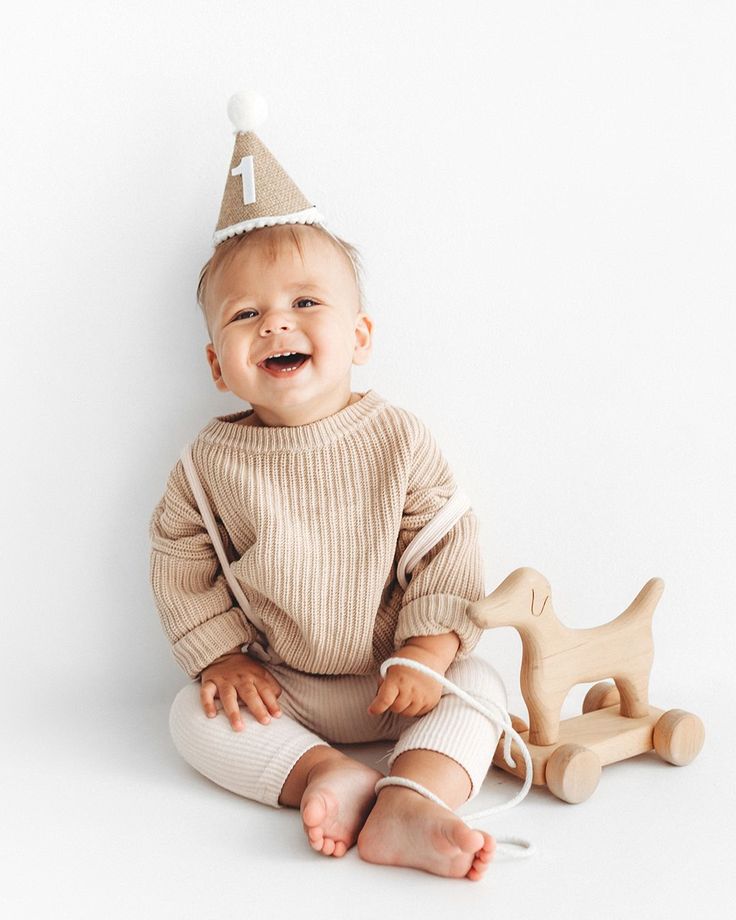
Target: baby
{"points": [[317, 490]]}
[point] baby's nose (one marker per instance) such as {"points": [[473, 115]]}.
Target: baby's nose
{"points": [[276, 321], [273, 327]]}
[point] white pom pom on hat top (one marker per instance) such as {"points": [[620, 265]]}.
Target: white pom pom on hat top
{"points": [[247, 110]]}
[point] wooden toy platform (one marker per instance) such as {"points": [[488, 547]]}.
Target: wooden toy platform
{"points": [[608, 734]]}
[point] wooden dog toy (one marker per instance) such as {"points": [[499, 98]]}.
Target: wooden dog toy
{"points": [[617, 721]]}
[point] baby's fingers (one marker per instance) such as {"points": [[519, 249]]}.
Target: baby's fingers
{"points": [[229, 698], [384, 698], [207, 697], [274, 685], [269, 699], [253, 701]]}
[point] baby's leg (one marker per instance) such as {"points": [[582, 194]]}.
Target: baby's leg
{"points": [[281, 763], [449, 751], [253, 762]]}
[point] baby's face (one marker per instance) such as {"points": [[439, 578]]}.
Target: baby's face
{"points": [[258, 305]]}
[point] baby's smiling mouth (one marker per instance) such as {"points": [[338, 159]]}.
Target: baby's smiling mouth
{"points": [[284, 362]]}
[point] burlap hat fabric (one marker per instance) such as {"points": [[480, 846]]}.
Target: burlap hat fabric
{"points": [[258, 191]]}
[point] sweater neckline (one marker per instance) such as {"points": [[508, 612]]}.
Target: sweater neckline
{"points": [[255, 438]]}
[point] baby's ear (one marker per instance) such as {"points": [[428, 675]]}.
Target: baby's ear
{"points": [[363, 339], [215, 369]]}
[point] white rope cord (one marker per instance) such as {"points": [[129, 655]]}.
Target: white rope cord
{"points": [[515, 847]]}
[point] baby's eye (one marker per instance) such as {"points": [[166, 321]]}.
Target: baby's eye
{"points": [[307, 300]]}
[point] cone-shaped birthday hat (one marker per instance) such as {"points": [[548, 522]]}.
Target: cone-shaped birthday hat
{"points": [[258, 192]]}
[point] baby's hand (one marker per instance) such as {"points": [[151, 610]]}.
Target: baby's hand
{"points": [[405, 690], [233, 675]]}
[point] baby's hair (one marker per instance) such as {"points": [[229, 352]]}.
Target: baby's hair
{"points": [[225, 251]]}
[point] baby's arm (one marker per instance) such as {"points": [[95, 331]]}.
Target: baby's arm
{"points": [[432, 625], [440, 650], [451, 573], [189, 587]]}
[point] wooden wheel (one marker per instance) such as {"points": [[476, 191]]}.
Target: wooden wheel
{"points": [[601, 695], [572, 773], [678, 737]]}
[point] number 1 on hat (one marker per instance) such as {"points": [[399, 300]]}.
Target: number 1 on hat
{"points": [[245, 169]]}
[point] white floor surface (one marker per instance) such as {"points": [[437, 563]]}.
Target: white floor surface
{"points": [[101, 818]]}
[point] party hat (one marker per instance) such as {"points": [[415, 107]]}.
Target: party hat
{"points": [[258, 191]]}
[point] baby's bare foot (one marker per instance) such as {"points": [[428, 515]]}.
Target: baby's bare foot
{"points": [[336, 802], [407, 829]]}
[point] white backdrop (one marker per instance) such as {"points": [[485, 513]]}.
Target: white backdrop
{"points": [[543, 195]]}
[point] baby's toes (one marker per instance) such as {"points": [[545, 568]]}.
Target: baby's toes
{"points": [[488, 850], [341, 848], [315, 836], [329, 847], [475, 874], [482, 858]]}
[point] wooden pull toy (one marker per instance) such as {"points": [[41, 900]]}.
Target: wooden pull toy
{"points": [[617, 720]]}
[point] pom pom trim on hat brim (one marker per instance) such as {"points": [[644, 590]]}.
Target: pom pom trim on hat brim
{"points": [[308, 216]]}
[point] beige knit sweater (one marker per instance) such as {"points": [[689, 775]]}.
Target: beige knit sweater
{"points": [[315, 518]]}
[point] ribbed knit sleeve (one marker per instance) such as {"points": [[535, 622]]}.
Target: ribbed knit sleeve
{"points": [[190, 590], [451, 573]]}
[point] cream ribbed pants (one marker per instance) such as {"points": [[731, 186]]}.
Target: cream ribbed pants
{"points": [[318, 709]]}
